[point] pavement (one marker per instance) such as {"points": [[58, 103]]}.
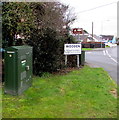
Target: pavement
{"points": [[100, 49], [105, 58], [92, 65]]}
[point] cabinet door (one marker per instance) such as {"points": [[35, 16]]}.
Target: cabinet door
{"points": [[10, 71]]}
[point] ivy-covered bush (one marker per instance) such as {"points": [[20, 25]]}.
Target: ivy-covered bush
{"points": [[42, 25]]}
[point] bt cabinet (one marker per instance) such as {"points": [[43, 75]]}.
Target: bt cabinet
{"points": [[18, 69]]}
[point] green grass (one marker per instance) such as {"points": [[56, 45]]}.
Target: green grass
{"points": [[81, 93], [87, 49]]}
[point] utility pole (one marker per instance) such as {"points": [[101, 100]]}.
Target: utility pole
{"points": [[92, 29], [118, 19]]}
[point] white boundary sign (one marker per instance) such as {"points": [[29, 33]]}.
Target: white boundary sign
{"points": [[72, 49]]}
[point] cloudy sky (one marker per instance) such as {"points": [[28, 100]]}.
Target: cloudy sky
{"points": [[103, 14]]}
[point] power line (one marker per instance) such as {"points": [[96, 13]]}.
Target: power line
{"points": [[96, 7]]}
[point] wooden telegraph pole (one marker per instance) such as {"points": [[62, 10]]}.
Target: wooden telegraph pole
{"points": [[92, 29]]}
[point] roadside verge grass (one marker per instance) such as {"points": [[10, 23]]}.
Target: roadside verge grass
{"points": [[83, 93], [87, 49]]}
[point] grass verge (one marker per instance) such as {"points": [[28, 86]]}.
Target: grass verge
{"points": [[81, 93], [107, 46], [87, 49]]}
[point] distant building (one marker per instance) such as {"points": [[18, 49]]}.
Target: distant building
{"points": [[87, 37], [81, 36], [107, 38]]}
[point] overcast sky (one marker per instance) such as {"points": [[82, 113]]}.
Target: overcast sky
{"points": [[103, 14]]}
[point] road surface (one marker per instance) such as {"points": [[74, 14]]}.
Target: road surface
{"points": [[106, 58]]}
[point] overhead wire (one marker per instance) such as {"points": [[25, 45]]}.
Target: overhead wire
{"points": [[95, 8]]}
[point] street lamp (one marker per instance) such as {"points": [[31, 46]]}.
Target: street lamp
{"points": [[102, 27]]}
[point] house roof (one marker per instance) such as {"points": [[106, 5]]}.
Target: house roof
{"points": [[107, 37], [97, 37], [83, 37]]}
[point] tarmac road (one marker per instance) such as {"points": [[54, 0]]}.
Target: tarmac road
{"points": [[105, 58]]}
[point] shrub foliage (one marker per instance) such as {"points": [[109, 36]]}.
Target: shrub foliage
{"points": [[41, 25]]}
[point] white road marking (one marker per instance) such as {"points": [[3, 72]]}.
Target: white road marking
{"points": [[104, 52], [111, 57], [89, 52]]}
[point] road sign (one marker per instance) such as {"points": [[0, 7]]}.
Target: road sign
{"points": [[77, 31], [72, 49]]}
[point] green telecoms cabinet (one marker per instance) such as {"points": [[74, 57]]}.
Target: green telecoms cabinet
{"points": [[18, 69]]}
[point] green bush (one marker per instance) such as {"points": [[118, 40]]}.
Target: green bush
{"points": [[47, 51], [40, 25]]}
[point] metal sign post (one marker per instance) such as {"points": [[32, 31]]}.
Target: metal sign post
{"points": [[65, 59], [78, 61]]}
